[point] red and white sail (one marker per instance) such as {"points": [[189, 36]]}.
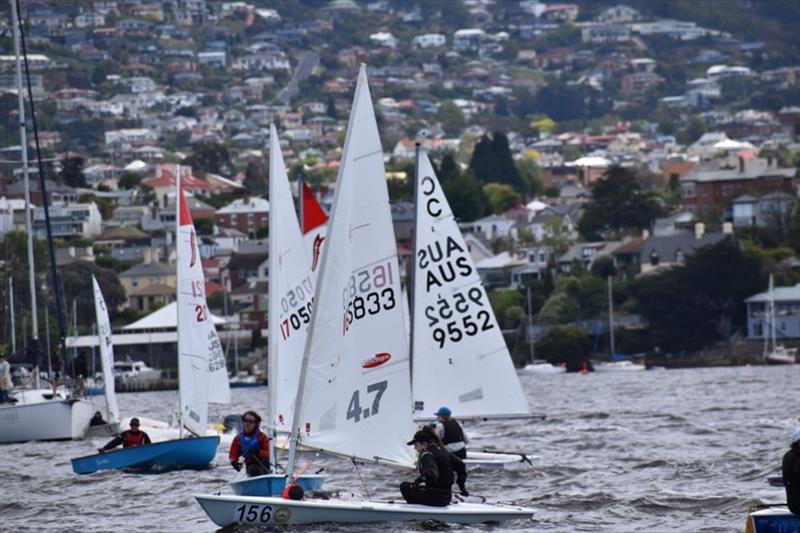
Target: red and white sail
{"points": [[314, 222], [202, 372]]}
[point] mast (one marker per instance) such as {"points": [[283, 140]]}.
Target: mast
{"points": [[11, 306], [23, 136], [772, 312], [177, 292], [54, 272], [610, 320], [529, 335], [413, 280]]}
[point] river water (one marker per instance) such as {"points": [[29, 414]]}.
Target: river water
{"points": [[669, 450]]}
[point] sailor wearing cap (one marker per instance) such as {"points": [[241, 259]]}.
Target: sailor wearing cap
{"points": [[451, 433], [436, 467]]}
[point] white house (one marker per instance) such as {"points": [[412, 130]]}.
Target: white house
{"points": [[71, 220], [383, 39], [491, 227], [429, 40]]}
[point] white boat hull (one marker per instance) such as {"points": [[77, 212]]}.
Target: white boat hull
{"points": [[45, 420], [493, 459], [619, 366], [225, 510], [541, 368]]}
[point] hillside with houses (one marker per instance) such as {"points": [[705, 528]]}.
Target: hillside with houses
{"points": [[651, 148]]}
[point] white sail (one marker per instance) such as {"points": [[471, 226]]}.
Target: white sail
{"points": [[106, 352], [460, 359], [291, 290], [202, 372], [355, 396]]}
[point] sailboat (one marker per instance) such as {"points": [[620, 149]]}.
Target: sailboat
{"points": [[202, 372], [354, 395], [291, 288], [459, 356], [774, 353], [618, 362], [38, 414], [107, 364]]}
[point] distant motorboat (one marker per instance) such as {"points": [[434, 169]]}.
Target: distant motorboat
{"points": [[130, 372], [540, 366], [781, 355], [618, 366]]}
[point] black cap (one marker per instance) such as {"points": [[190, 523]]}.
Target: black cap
{"points": [[420, 436]]}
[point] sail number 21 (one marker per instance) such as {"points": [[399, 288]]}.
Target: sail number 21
{"points": [[354, 410]]}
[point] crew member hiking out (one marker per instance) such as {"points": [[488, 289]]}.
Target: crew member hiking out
{"points": [[451, 433], [791, 474], [436, 467], [251, 444], [129, 438]]}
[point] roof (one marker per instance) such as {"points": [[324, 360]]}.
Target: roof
{"points": [[666, 246], [247, 261], [576, 250], [154, 268], [633, 246], [780, 294], [501, 260], [257, 287], [165, 318], [124, 233], [156, 289], [251, 204]]}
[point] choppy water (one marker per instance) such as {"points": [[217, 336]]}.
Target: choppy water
{"points": [[676, 450]]}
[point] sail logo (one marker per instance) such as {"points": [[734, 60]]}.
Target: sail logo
{"points": [[317, 247], [377, 360]]}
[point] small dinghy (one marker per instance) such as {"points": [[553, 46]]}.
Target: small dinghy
{"points": [[181, 453], [273, 484], [227, 510], [772, 519]]}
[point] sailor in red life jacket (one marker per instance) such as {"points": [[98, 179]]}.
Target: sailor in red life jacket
{"points": [[129, 439], [251, 444]]}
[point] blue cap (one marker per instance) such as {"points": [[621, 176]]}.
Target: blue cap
{"points": [[443, 411]]}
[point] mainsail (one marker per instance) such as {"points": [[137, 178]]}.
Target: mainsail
{"points": [[460, 359], [106, 352], [355, 394], [202, 372], [291, 290]]}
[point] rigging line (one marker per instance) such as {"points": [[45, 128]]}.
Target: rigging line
{"points": [[360, 478], [54, 271]]}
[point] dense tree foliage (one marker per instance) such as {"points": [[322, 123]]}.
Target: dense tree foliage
{"points": [[567, 344], [492, 162], [619, 203], [72, 171], [501, 197], [209, 157], [693, 306], [76, 280], [465, 194]]}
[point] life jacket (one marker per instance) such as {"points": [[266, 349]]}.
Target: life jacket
{"points": [[452, 431], [130, 440], [444, 465], [249, 445]]}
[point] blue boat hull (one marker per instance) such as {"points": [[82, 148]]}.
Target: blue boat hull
{"points": [[774, 519], [179, 453], [273, 484]]}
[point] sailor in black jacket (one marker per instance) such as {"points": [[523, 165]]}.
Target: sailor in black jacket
{"points": [[791, 474], [436, 467]]}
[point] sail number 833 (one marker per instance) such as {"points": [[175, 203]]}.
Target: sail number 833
{"points": [[368, 292]]}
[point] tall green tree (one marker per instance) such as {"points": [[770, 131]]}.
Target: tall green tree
{"points": [[451, 118], [492, 161], [465, 195], [209, 157], [693, 306], [76, 280], [72, 171], [501, 197], [256, 178], [618, 202]]}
